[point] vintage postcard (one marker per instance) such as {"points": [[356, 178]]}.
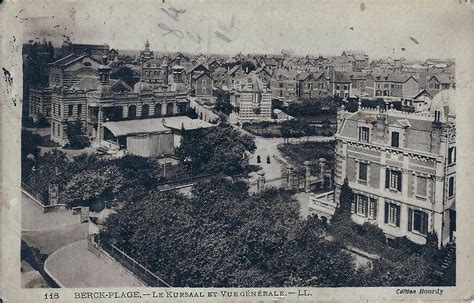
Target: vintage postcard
{"points": [[236, 151]]}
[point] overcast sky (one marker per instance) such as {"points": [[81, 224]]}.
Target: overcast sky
{"points": [[416, 29]]}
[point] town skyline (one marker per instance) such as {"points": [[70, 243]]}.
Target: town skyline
{"points": [[187, 26]]}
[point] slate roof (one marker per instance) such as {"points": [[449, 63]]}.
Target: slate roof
{"points": [[339, 77], [442, 78]]}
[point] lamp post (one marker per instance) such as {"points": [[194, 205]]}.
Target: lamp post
{"points": [[164, 165], [188, 162]]}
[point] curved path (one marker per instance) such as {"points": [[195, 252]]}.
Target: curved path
{"points": [[75, 266]]}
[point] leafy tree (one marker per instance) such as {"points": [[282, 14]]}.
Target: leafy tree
{"points": [[126, 74], [139, 175], [191, 113], [411, 271], [75, 135], [217, 149], [246, 240], [92, 186], [294, 129], [223, 102], [29, 152], [48, 169]]}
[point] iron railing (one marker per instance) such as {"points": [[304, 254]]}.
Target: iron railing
{"points": [[146, 276]]}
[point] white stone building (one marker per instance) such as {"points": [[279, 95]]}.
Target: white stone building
{"points": [[402, 168]]}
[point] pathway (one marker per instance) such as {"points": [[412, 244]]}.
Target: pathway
{"points": [[75, 266], [269, 147], [62, 237]]}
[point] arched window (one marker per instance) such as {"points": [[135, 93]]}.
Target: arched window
{"points": [[169, 109], [132, 111], [145, 110], [158, 110]]}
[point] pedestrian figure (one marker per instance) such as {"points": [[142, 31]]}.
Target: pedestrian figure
{"points": [[268, 159], [258, 159]]}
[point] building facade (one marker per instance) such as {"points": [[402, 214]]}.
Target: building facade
{"points": [[402, 169], [107, 100], [253, 102]]}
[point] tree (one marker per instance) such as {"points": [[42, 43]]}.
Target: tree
{"points": [[75, 135], [139, 175], [48, 169], [92, 187], [191, 113], [29, 152], [126, 74], [294, 129], [244, 239], [223, 102], [217, 149], [343, 212], [411, 271]]}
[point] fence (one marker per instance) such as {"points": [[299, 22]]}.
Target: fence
{"points": [[40, 201], [39, 197], [96, 246]]}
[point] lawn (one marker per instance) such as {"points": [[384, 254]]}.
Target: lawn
{"points": [[263, 129], [273, 130]]}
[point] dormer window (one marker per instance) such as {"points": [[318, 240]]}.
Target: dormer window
{"points": [[397, 133], [364, 133]]}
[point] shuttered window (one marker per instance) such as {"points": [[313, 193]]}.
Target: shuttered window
{"points": [[393, 179], [392, 214]]}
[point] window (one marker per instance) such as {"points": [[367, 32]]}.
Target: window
{"points": [[393, 179], [392, 214], [364, 206], [70, 110], [395, 139], [421, 186], [363, 171], [364, 134], [450, 187], [436, 86], [372, 208], [417, 221], [451, 155], [145, 110], [79, 109]]}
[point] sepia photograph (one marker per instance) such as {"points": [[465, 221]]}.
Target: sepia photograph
{"points": [[216, 144]]}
